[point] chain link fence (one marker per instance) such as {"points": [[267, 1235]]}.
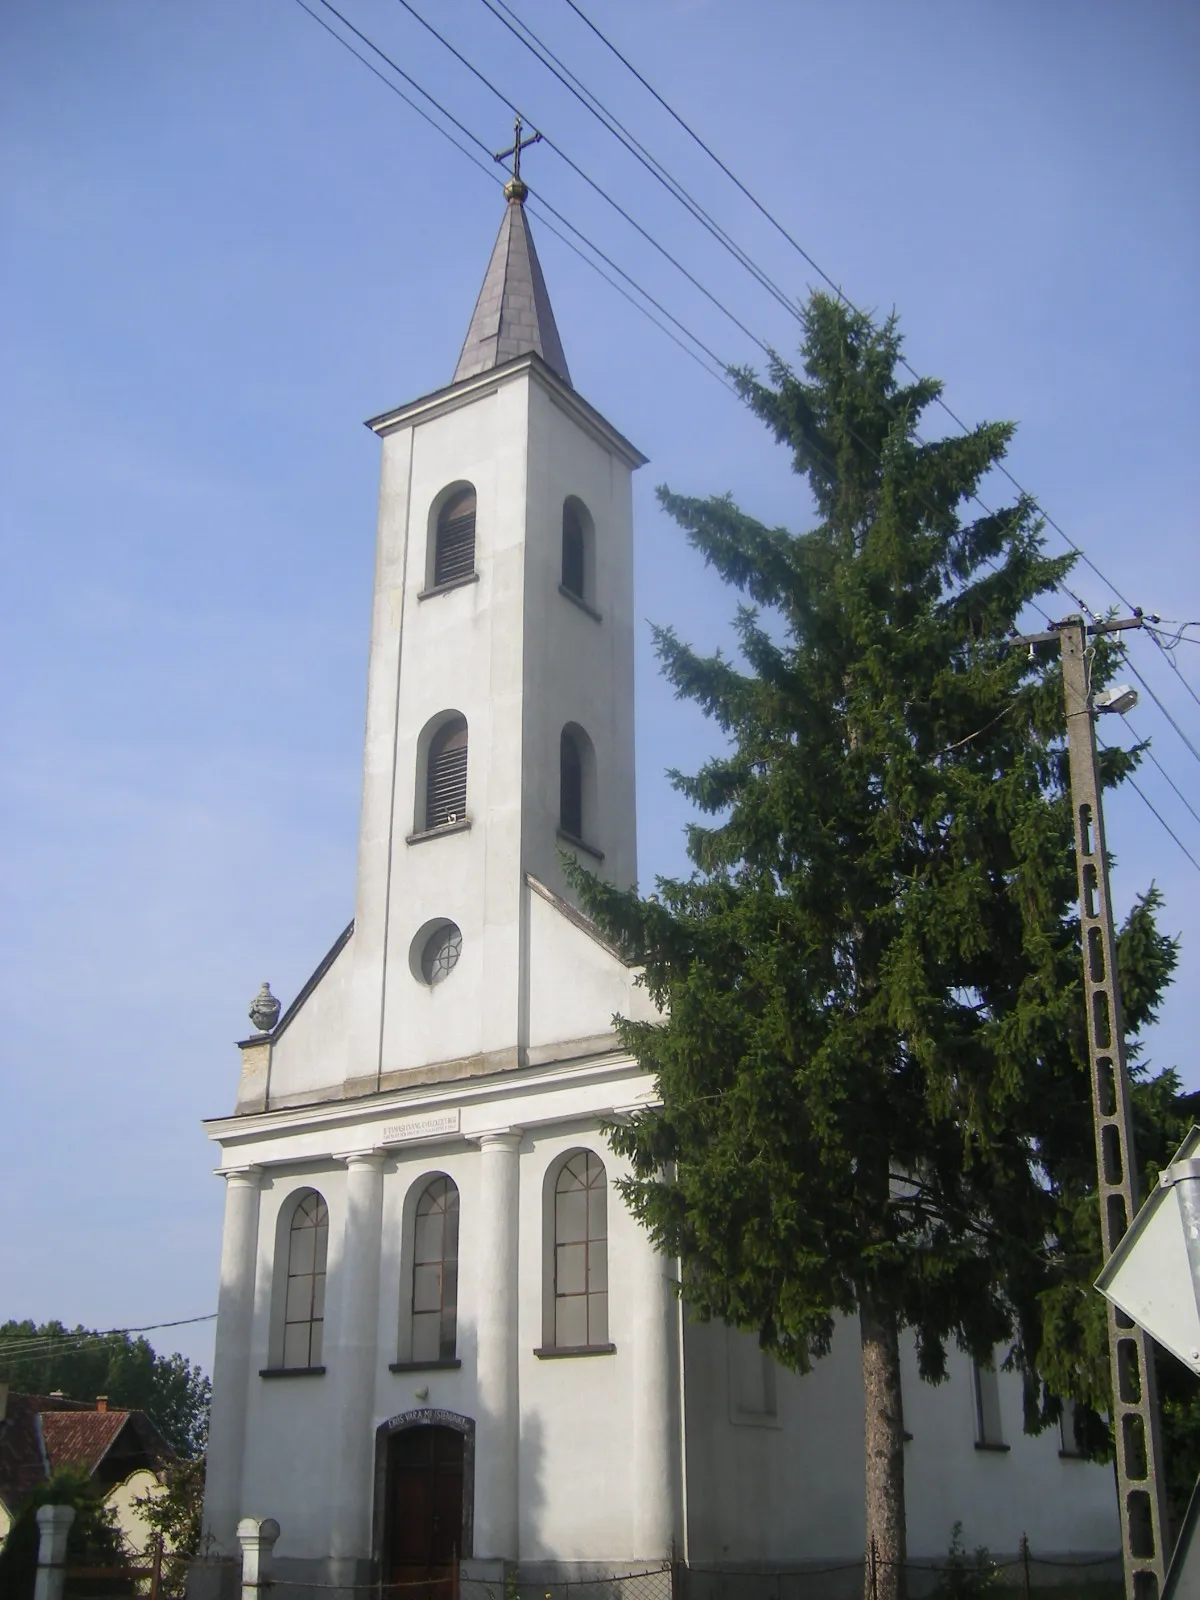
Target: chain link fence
{"points": [[960, 1576]]}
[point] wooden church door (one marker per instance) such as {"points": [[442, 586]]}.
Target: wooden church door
{"points": [[425, 1505]]}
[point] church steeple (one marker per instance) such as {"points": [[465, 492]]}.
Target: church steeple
{"points": [[512, 315]]}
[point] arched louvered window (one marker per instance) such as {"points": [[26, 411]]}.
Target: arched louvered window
{"points": [[570, 785], [573, 551], [581, 1253], [304, 1314], [455, 552], [435, 1273], [446, 775]]}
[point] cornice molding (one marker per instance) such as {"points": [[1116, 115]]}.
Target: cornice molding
{"points": [[515, 1088]]}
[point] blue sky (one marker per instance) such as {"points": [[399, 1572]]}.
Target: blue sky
{"points": [[224, 244]]}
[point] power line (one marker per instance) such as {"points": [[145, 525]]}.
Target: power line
{"points": [[489, 171], [1170, 780], [591, 245], [587, 178], [1162, 708], [41, 1345], [613, 124], [843, 296], [1140, 792]]}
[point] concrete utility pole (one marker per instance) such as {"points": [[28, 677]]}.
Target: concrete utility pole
{"points": [[1140, 1481]]}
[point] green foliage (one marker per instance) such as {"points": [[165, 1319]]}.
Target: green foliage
{"points": [[872, 1057], [171, 1390], [965, 1576], [176, 1516], [93, 1540]]}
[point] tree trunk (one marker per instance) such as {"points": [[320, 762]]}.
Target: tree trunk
{"points": [[887, 1546]]}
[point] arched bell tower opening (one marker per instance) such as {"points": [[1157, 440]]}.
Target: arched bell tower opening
{"points": [[424, 1499]]}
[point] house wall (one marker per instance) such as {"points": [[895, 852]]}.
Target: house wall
{"points": [[122, 1500], [787, 1486]]}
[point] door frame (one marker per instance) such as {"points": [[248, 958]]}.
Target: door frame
{"points": [[425, 1417]]}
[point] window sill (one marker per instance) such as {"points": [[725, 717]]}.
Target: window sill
{"points": [[445, 588], [437, 833], [291, 1372], [556, 1353], [1071, 1455], [580, 844], [576, 600], [993, 1449], [425, 1366]]}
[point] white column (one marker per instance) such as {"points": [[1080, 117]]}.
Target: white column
{"points": [[655, 1453], [257, 1536], [54, 1524], [231, 1358], [498, 1421], [355, 1360]]}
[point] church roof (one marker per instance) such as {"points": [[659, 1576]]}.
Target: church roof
{"points": [[512, 315]]}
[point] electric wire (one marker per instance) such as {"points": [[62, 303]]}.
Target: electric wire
{"points": [[41, 1345], [488, 168], [546, 205], [587, 178], [1162, 708], [613, 124], [1138, 790], [841, 294], [1170, 780]]}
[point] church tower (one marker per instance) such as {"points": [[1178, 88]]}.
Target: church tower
{"points": [[500, 698]]}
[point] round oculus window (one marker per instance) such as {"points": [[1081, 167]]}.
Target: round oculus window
{"points": [[440, 953]]}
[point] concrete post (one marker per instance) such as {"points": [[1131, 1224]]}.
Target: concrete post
{"points": [[54, 1524], [352, 1460], [499, 1410], [257, 1536], [231, 1357], [655, 1470]]}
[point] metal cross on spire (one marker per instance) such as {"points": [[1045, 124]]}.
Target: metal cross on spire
{"points": [[515, 189]]}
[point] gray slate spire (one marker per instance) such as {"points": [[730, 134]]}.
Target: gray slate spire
{"points": [[512, 315]]}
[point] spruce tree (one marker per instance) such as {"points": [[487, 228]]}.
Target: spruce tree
{"points": [[871, 1052]]}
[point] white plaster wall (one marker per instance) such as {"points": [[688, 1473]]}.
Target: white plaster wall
{"points": [[310, 1056], [462, 650], [577, 669], [575, 1504], [122, 1500], [577, 1413], [794, 1490], [519, 661], [1062, 1504], [289, 1421], [575, 985]]}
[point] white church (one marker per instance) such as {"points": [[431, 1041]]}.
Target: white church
{"points": [[441, 1337]]}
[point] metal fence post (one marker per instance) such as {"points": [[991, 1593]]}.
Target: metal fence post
{"points": [[257, 1536], [1025, 1578], [54, 1524]]}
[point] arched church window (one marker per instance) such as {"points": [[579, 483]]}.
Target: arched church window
{"points": [[573, 577], [446, 775], [578, 581], [570, 785], [304, 1312], [435, 1273], [581, 1253], [454, 556]]}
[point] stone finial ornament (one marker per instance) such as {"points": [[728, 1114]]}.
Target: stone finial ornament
{"points": [[264, 1009]]}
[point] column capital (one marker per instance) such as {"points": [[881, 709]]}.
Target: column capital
{"points": [[498, 1138], [248, 1177], [371, 1159]]}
